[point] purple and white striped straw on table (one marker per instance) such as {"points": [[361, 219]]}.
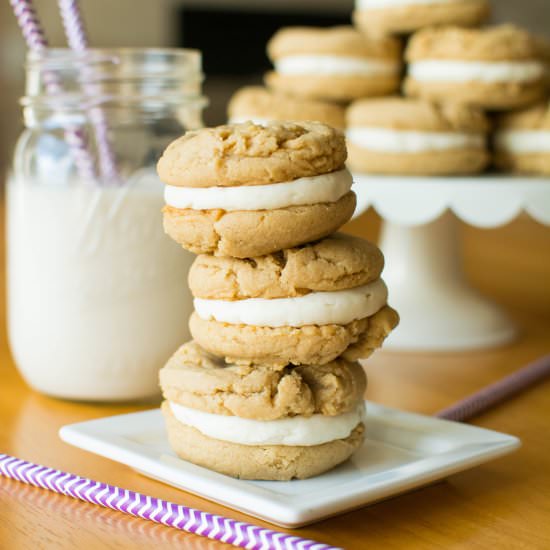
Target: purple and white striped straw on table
{"points": [[493, 394], [191, 520], [36, 41], [77, 39], [240, 534]]}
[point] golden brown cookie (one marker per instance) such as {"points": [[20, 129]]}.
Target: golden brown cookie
{"points": [[304, 345], [305, 305], [521, 140], [197, 379], [416, 137], [497, 67], [378, 18], [245, 234], [268, 462], [250, 154], [248, 190], [337, 262], [261, 105], [336, 64]]}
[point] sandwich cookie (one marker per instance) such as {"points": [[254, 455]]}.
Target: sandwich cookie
{"points": [[258, 422], [381, 17], [337, 64], [247, 190], [260, 105], [522, 140], [417, 137], [494, 68], [305, 305]]}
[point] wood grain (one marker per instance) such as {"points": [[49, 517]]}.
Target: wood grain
{"points": [[503, 504]]}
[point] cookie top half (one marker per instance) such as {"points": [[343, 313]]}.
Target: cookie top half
{"points": [[197, 379], [337, 262], [252, 154], [536, 117], [256, 102], [416, 114], [344, 41], [498, 43]]}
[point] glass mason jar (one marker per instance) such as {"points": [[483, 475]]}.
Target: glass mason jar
{"points": [[97, 294]]}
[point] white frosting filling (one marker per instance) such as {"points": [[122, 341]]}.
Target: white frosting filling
{"points": [[379, 4], [309, 190], [298, 430], [386, 140], [316, 308], [523, 141], [334, 65], [480, 71]]}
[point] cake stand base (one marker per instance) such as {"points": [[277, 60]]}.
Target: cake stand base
{"points": [[439, 310]]}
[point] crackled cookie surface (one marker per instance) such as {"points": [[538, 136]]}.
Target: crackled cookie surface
{"points": [[335, 263], [338, 63], [308, 344], [499, 67], [260, 422], [200, 380], [414, 136], [252, 154], [261, 105], [247, 190]]}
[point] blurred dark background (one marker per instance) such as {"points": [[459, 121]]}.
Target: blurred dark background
{"points": [[231, 34]]}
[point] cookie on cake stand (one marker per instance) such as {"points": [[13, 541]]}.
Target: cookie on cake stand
{"points": [[381, 17], [333, 64], [495, 68]]}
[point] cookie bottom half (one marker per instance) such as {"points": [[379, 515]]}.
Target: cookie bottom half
{"points": [[404, 19], [529, 163], [312, 344], [455, 161], [498, 95], [333, 88], [268, 462], [245, 234]]}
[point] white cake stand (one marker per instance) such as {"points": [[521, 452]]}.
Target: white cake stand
{"points": [[439, 310]]}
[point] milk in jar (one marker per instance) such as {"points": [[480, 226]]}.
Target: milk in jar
{"points": [[96, 293]]}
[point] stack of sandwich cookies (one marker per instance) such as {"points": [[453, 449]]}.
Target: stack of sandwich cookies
{"points": [[417, 137], [247, 190], [306, 305], [258, 422], [269, 388], [335, 64], [498, 67], [522, 140], [381, 17], [260, 105]]}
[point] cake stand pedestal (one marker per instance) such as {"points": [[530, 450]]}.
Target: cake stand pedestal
{"points": [[439, 311]]}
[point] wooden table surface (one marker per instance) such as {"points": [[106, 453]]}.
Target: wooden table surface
{"points": [[503, 504]]}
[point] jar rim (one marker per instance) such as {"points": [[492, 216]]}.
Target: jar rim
{"points": [[107, 76], [149, 61]]}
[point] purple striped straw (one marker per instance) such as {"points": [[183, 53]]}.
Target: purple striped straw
{"points": [[36, 41], [75, 30], [191, 520], [494, 394]]}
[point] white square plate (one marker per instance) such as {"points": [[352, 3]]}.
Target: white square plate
{"points": [[402, 451]]}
